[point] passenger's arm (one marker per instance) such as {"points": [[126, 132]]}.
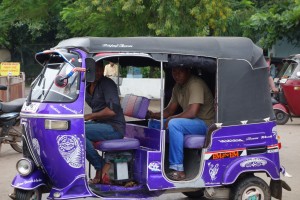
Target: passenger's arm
{"points": [[168, 111], [102, 114], [272, 85]]}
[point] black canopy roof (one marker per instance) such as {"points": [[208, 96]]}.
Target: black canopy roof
{"points": [[215, 47]]}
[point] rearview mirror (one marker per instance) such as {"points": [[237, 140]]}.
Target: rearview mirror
{"points": [[90, 65]]}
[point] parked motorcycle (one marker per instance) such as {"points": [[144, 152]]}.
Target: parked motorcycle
{"points": [[11, 132]]}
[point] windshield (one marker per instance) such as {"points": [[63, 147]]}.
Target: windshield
{"points": [[44, 87], [290, 70]]}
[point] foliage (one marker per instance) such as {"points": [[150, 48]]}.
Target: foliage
{"points": [[275, 20], [29, 22], [152, 17]]}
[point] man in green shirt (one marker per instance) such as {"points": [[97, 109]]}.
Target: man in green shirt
{"points": [[196, 100]]}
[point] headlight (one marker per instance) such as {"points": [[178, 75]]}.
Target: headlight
{"points": [[24, 166]]}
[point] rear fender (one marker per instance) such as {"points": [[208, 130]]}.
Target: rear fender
{"points": [[29, 182], [252, 164], [281, 108]]}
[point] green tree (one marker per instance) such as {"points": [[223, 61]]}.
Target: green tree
{"points": [[153, 17], [273, 21]]}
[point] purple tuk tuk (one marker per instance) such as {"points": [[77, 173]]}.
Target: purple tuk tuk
{"points": [[224, 164]]}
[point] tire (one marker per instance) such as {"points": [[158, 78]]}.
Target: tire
{"points": [[251, 187], [281, 117], [28, 194], [195, 195], [16, 131], [17, 147]]}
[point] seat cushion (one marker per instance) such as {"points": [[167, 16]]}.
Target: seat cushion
{"points": [[135, 106], [117, 144], [194, 141]]}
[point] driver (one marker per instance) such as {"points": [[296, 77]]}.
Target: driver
{"points": [[195, 98], [106, 122]]}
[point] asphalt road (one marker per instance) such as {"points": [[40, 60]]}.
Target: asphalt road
{"points": [[290, 158]]}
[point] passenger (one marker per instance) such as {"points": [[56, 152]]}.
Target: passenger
{"points": [[106, 122], [273, 88], [197, 103], [111, 69]]}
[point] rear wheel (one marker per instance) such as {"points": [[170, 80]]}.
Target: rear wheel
{"points": [[28, 194], [251, 188], [195, 195], [281, 117]]}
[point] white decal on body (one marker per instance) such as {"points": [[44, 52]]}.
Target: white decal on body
{"points": [[231, 140], [36, 146], [253, 162], [251, 138], [70, 149], [155, 166], [117, 45], [69, 109], [32, 108], [265, 137], [213, 171], [274, 130], [29, 181], [55, 109]]}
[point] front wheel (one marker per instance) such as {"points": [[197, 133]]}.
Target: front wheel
{"points": [[28, 194], [251, 188], [281, 117]]}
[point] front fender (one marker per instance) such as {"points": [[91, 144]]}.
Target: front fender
{"points": [[29, 182], [250, 164], [281, 108]]}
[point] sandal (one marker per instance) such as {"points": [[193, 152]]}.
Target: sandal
{"points": [[97, 178], [176, 175]]}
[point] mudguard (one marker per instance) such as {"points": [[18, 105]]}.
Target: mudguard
{"points": [[247, 164], [29, 182], [281, 107]]}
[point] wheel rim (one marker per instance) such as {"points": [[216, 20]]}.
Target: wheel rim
{"points": [[253, 193], [280, 115]]}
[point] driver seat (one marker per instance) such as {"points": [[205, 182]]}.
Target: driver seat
{"points": [[133, 106]]}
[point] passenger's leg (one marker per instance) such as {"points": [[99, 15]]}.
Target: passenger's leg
{"points": [[98, 132], [179, 127]]}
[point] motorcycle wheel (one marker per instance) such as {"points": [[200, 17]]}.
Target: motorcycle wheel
{"points": [[251, 187], [195, 195], [281, 117], [17, 147], [28, 194], [16, 131]]}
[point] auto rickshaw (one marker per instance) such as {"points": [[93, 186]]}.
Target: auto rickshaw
{"points": [[223, 164], [287, 105]]}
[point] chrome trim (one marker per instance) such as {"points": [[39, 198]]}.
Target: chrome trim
{"points": [[35, 160], [30, 115], [30, 163]]}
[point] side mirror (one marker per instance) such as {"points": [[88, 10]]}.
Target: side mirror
{"points": [[90, 72], [298, 74]]}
